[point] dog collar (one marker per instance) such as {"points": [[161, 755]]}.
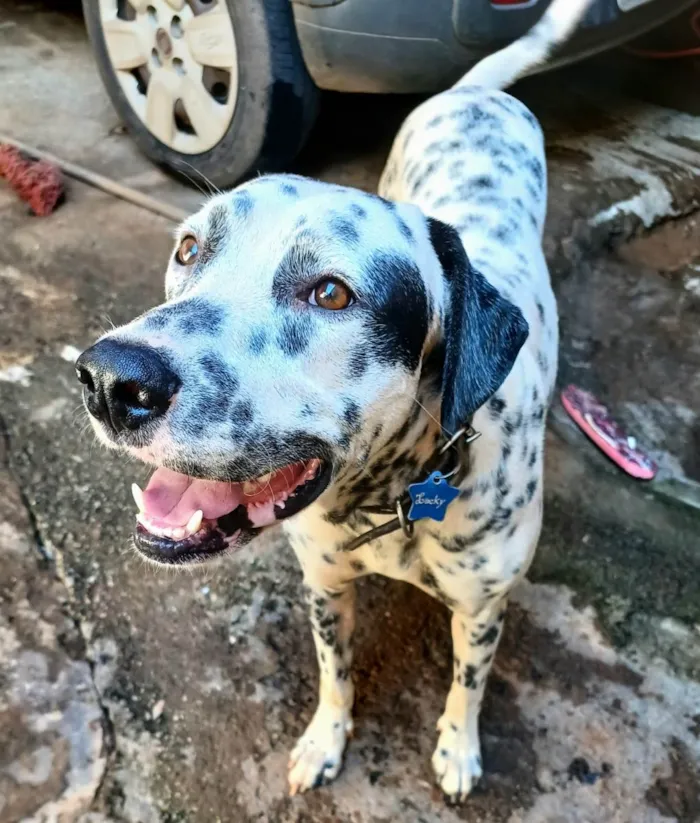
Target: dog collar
{"points": [[428, 499]]}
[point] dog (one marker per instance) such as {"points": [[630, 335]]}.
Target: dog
{"points": [[327, 358]]}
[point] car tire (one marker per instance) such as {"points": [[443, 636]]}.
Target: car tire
{"points": [[275, 100]]}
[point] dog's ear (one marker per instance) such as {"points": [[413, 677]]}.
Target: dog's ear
{"points": [[483, 332]]}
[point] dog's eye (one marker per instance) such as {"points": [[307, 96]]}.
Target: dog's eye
{"points": [[332, 295], [187, 251]]}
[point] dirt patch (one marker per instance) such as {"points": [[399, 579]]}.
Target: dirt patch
{"points": [[669, 248], [678, 795], [531, 653]]}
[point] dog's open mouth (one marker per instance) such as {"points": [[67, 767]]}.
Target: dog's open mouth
{"points": [[183, 519]]}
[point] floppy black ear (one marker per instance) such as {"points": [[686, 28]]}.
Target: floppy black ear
{"points": [[483, 332]]}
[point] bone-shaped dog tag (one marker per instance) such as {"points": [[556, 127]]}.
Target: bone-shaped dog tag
{"points": [[431, 498]]}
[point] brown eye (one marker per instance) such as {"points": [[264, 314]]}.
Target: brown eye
{"points": [[332, 295], [187, 251]]}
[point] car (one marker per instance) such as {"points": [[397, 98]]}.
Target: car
{"points": [[224, 88]]}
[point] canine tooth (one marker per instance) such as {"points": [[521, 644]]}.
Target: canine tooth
{"points": [[250, 487], [138, 497], [264, 478], [178, 533], [194, 524]]}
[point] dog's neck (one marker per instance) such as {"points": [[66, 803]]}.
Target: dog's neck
{"points": [[384, 473]]}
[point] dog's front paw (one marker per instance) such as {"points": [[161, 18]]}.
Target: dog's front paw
{"points": [[457, 761], [318, 755]]}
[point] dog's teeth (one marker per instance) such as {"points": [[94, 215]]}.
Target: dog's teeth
{"points": [[178, 533], [138, 497], [194, 524], [166, 532], [280, 504]]}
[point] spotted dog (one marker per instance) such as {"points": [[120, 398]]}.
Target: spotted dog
{"points": [[317, 348]]}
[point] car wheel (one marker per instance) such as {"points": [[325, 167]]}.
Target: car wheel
{"points": [[216, 88]]}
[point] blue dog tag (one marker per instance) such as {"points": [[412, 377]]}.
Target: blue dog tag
{"points": [[431, 498]]}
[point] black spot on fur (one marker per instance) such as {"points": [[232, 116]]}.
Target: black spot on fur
{"points": [[219, 374], [474, 185], [351, 415], [345, 230], [295, 334], [474, 116], [405, 229], [408, 553], [468, 677], [399, 309], [488, 637], [242, 414], [358, 566], [242, 204], [358, 363], [470, 221], [289, 189], [506, 169], [425, 174], [193, 316], [530, 489], [257, 341], [535, 167], [503, 234], [479, 562], [358, 211]]}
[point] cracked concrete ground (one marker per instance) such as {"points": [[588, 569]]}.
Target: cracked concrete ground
{"points": [[142, 697]]}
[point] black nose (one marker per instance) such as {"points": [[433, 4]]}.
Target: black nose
{"points": [[126, 384]]}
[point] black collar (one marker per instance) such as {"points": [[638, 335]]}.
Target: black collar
{"points": [[451, 461]]}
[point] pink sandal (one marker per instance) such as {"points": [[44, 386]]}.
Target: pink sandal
{"points": [[594, 419]]}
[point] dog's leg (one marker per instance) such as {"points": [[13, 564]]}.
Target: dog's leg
{"points": [[457, 758], [318, 755]]}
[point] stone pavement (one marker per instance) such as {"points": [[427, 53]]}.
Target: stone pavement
{"points": [[137, 696]]}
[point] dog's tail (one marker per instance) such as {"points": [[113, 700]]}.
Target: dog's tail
{"points": [[504, 67]]}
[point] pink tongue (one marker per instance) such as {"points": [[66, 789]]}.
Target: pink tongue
{"points": [[172, 498]]}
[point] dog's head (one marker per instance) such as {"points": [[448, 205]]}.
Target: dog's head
{"points": [[297, 318]]}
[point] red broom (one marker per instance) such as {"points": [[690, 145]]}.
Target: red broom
{"points": [[37, 182]]}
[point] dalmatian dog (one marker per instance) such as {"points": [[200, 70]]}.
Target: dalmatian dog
{"points": [[320, 350]]}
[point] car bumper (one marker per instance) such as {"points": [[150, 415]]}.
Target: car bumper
{"points": [[410, 46]]}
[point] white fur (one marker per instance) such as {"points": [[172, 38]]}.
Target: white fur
{"points": [[501, 69]]}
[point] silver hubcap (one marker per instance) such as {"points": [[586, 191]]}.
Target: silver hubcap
{"points": [[176, 62]]}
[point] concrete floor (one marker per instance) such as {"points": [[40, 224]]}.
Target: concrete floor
{"points": [[129, 695]]}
